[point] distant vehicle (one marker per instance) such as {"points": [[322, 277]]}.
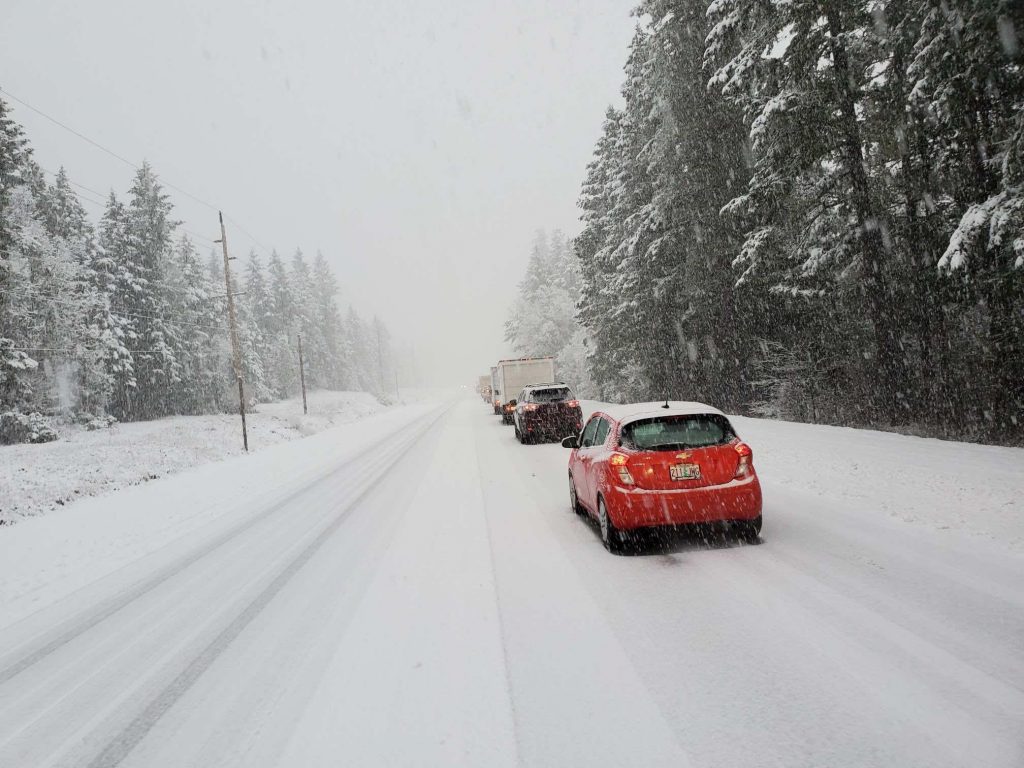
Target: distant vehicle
{"points": [[513, 375], [495, 399], [483, 387], [646, 465], [546, 411]]}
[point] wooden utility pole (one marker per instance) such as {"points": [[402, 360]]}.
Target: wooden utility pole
{"points": [[236, 351], [302, 375]]}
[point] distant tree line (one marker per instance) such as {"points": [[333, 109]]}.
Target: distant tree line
{"points": [[125, 318], [815, 211]]}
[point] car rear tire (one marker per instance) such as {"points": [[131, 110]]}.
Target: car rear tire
{"points": [[519, 435], [574, 499], [611, 536], [750, 531]]}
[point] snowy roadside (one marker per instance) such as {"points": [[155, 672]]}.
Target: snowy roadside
{"points": [[35, 479], [942, 484]]}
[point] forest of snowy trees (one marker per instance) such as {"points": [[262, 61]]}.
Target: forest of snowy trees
{"points": [[542, 322], [815, 210], [125, 318]]}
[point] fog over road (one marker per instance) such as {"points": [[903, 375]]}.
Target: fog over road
{"points": [[419, 592]]}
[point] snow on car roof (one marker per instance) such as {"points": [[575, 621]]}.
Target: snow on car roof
{"points": [[634, 411]]}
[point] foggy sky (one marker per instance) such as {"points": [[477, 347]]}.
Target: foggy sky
{"points": [[419, 145]]}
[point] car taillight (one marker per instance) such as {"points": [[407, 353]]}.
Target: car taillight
{"points": [[530, 407], [618, 465], [745, 467], [510, 408], [574, 403]]}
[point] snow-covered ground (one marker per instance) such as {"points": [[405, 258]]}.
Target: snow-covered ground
{"points": [[940, 484], [37, 478], [412, 589]]}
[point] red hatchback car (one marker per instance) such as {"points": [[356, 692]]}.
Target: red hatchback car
{"points": [[647, 465]]}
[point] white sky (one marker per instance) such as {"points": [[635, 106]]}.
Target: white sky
{"points": [[419, 145]]}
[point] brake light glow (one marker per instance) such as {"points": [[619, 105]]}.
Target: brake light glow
{"points": [[745, 467], [618, 465], [574, 403], [530, 407], [510, 408]]}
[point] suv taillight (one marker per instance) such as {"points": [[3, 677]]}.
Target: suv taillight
{"points": [[745, 467], [574, 403], [530, 407]]}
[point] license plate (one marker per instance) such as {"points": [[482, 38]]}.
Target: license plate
{"points": [[684, 471]]}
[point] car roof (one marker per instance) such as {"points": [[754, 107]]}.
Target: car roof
{"points": [[635, 411], [545, 386]]}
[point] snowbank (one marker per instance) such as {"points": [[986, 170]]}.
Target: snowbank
{"points": [[940, 483], [35, 479], [943, 484]]}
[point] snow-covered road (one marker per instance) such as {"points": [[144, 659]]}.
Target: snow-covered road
{"points": [[412, 589]]}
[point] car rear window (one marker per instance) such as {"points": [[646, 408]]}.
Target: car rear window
{"points": [[553, 395], [674, 433]]}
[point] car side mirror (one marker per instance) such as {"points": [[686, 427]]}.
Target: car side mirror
{"points": [[571, 442]]}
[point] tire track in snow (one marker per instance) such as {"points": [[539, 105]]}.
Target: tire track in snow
{"points": [[121, 746], [73, 628]]}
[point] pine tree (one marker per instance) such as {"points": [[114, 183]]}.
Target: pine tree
{"points": [[72, 367], [543, 322], [203, 349], [15, 363], [113, 273], [328, 321], [144, 297], [281, 330], [363, 350], [968, 73]]}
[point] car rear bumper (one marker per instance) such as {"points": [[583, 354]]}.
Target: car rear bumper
{"points": [[561, 426], [637, 508]]}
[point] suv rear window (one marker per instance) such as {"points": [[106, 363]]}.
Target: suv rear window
{"points": [[676, 433], [552, 395]]}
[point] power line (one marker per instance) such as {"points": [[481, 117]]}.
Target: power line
{"points": [[126, 161], [101, 203], [71, 350], [99, 146], [168, 318], [245, 232], [69, 129], [149, 283], [75, 183]]}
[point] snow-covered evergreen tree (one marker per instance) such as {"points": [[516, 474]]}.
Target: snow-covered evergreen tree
{"points": [[143, 301], [203, 348], [15, 208], [542, 321], [328, 322]]}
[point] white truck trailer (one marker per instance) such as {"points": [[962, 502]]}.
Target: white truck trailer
{"points": [[512, 375], [495, 400]]}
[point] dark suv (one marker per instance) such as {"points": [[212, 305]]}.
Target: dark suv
{"points": [[546, 412]]}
